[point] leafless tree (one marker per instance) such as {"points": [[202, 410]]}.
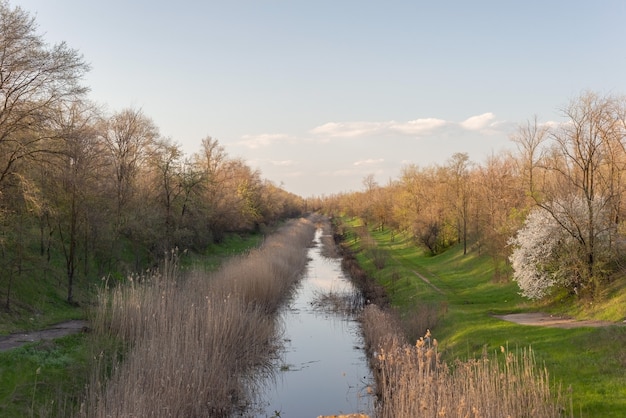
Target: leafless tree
{"points": [[128, 135], [34, 79], [585, 163], [529, 139]]}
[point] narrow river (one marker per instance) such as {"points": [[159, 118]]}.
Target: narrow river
{"points": [[323, 369]]}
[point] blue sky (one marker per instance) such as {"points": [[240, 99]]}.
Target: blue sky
{"points": [[319, 94]]}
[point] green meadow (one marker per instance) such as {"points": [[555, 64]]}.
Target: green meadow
{"points": [[589, 363]]}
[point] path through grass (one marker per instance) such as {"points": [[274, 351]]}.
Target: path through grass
{"points": [[590, 360]]}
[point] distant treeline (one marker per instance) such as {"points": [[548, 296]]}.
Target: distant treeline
{"points": [[570, 176], [84, 192]]}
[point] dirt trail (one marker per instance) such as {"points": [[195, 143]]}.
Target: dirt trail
{"points": [[427, 281], [537, 318], [547, 320], [8, 342]]}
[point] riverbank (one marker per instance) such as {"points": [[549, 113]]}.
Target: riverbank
{"points": [[19, 339], [195, 344], [587, 362]]}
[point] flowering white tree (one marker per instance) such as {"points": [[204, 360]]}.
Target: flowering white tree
{"points": [[549, 250], [534, 254]]}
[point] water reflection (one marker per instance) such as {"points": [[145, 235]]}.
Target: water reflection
{"points": [[323, 369]]}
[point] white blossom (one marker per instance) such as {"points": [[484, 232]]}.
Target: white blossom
{"points": [[551, 247], [535, 245]]}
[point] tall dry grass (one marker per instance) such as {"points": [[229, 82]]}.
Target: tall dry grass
{"points": [[173, 346], [413, 381]]}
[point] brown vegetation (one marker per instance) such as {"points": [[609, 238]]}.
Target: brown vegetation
{"points": [[85, 193], [412, 380], [193, 346], [482, 205], [371, 291]]}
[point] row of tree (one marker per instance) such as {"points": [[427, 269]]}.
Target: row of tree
{"points": [[570, 177], [89, 188]]}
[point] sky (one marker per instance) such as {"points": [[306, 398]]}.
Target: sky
{"points": [[320, 94]]}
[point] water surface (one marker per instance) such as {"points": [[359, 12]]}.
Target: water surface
{"points": [[323, 369]]}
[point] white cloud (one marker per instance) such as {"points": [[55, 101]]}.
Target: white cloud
{"points": [[369, 161], [262, 140], [485, 123], [418, 126], [360, 129], [479, 122], [348, 129]]}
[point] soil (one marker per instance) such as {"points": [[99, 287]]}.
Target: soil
{"points": [[547, 320], [8, 342]]}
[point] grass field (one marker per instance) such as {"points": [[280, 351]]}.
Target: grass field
{"points": [[590, 361], [43, 379]]}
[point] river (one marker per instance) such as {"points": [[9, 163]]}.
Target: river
{"points": [[323, 369]]}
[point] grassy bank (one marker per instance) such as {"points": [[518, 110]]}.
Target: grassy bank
{"points": [[592, 361], [43, 379], [47, 379]]}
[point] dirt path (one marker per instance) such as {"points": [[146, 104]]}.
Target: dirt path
{"points": [[421, 276], [546, 320], [8, 342], [537, 318]]}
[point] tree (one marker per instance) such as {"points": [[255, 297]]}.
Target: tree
{"points": [[211, 162], [165, 162], [529, 139], [75, 171], [35, 78], [128, 135], [421, 206], [533, 257], [498, 196], [458, 167], [547, 253], [583, 166]]}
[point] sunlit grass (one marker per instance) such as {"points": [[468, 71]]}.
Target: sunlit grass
{"points": [[590, 360]]}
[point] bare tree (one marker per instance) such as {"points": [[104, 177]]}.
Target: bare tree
{"points": [[583, 165], [458, 167], [529, 139], [165, 162], [34, 79], [75, 171], [128, 135], [498, 196]]}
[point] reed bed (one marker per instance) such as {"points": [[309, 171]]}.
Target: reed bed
{"points": [[413, 381], [345, 303], [195, 345]]}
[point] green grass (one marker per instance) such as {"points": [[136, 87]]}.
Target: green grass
{"points": [[37, 379], [39, 302], [590, 360], [216, 254]]}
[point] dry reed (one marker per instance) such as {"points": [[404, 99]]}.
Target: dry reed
{"points": [[191, 346], [412, 380]]}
